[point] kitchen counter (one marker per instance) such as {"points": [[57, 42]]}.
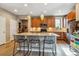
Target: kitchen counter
{"points": [[38, 34]]}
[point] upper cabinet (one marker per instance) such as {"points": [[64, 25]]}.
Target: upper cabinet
{"points": [[36, 22], [51, 22], [71, 16]]}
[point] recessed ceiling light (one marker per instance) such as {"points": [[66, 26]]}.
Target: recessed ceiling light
{"points": [[15, 10], [45, 11], [31, 12], [42, 16], [45, 4], [59, 11], [25, 5]]}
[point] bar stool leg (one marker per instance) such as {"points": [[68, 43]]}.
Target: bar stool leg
{"points": [[15, 52], [54, 53], [19, 48], [55, 50], [24, 48], [28, 46], [31, 48], [14, 49], [39, 48], [43, 46], [52, 50]]}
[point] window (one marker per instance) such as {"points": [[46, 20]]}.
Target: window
{"points": [[58, 22]]}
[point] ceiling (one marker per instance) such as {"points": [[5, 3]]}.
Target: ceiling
{"points": [[36, 9]]}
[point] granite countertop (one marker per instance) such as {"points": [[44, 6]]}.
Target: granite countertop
{"points": [[38, 34]]}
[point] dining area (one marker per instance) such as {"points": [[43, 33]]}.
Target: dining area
{"points": [[28, 44]]}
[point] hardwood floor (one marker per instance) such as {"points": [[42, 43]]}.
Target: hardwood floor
{"points": [[61, 42], [7, 49]]}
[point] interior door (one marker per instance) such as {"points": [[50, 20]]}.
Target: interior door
{"points": [[13, 28], [2, 30]]}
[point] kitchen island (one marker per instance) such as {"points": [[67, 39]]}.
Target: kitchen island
{"points": [[42, 36]]}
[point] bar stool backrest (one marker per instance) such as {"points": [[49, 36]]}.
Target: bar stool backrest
{"points": [[50, 39], [18, 38], [33, 37]]}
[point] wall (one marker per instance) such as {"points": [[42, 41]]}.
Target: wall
{"points": [[2, 30], [8, 16], [77, 12]]}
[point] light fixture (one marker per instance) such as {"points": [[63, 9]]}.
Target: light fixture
{"points": [[50, 28], [45, 11], [42, 17], [59, 11], [38, 28], [45, 4], [15, 10], [34, 28], [29, 17], [25, 18], [25, 5], [31, 12]]}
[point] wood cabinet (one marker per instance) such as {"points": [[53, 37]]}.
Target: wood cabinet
{"points": [[71, 16], [62, 35], [35, 22], [50, 21]]}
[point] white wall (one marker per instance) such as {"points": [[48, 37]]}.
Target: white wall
{"points": [[77, 12], [9, 18]]}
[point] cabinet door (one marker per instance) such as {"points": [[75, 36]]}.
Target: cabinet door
{"points": [[2, 30], [71, 16], [51, 22], [36, 22]]}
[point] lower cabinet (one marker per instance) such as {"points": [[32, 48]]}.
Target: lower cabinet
{"points": [[62, 35]]}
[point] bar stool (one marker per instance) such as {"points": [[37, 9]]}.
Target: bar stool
{"points": [[34, 43], [49, 43], [20, 40]]}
